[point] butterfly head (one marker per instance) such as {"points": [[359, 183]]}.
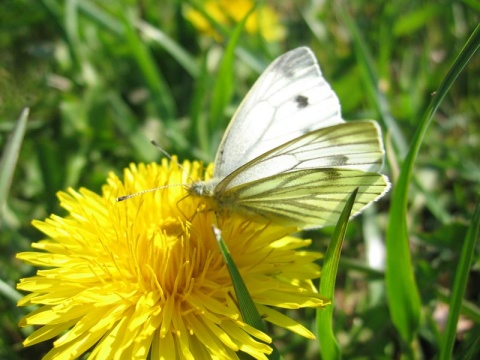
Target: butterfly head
{"points": [[202, 188]]}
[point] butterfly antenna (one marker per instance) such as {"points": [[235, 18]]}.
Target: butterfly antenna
{"points": [[126, 197], [164, 152]]}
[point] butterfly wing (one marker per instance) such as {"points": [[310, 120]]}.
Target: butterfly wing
{"points": [[306, 181], [290, 99], [353, 145], [305, 198]]}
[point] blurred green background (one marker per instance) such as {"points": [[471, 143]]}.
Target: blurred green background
{"points": [[103, 78]]}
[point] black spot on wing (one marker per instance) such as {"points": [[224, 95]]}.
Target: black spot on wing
{"points": [[339, 160], [302, 101]]}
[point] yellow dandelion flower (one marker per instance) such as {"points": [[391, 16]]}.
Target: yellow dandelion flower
{"points": [[264, 20], [145, 278]]}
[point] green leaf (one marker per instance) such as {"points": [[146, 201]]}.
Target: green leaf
{"points": [[413, 21], [329, 348], [459, 286], [403, 296], [246, 305], [9, 158]]}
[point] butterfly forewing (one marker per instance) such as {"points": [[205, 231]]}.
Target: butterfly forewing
{"points": [[289, 99]]}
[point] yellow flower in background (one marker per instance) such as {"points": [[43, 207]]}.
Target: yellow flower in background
{"points": [[144, 278], [264, 20]]}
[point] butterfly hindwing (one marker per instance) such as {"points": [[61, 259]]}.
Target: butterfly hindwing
{"points": [[353, 145], [305, 198]]}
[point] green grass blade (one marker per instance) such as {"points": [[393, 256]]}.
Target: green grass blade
{"points": [[403, 296], [158, 86], [246, 305], [223, 88], [198, 118], [9, 159], [177, 52], [376, 95], [329, 348], [105, 20], [101, 17], [53, 8], [416, 19], [459, 285], [71, 22]]}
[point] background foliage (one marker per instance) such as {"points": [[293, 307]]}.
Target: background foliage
{"points": [[102, 79]]}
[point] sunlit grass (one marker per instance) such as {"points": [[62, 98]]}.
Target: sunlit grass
{"points": [[103, 80]]}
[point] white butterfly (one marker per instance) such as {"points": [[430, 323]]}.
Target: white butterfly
{"points": [[288, 156]]}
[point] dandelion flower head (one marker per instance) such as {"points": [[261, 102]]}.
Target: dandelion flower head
{"points": [[144, 278], [264, 20]]}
